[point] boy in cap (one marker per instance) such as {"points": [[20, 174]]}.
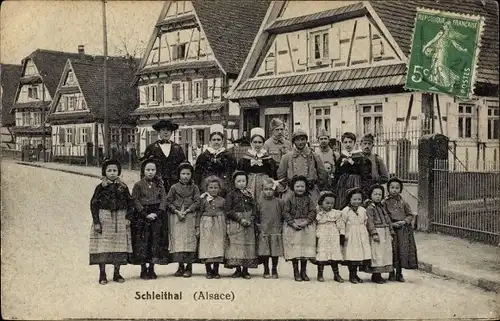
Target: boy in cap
{"points": [[380, 175], [277, 145], [302, 161]]}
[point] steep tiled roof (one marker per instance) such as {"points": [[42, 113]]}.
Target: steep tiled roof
{"points": [[230, 27], [9, 77], [399, 17], [340, 80], [50, 64], [122, 98]]}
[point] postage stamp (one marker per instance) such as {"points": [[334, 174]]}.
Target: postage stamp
{"points": [[443, 58]]}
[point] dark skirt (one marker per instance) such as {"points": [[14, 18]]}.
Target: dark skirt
{"points": [[150, 238], [346, 182], [404, 249]]}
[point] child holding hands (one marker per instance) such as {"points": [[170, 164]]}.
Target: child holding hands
{"points": [[181, 200], [299, 229]]}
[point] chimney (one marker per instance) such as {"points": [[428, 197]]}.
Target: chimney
{"points": [[81, 49]]}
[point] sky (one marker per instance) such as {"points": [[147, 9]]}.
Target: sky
{"points": [[63, 25]]}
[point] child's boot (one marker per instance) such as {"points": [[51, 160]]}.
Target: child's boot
{"points": [[245, 273], [320, 273], [216, 271], [377, 278], [102, 274], [265, 262], [352, 275], [336, 274], [392, 276], [237, 273], [296, 273], [180, 270], [399, 275], [144, 272], [274, 271], [303, 270], [188, 271], [116, 275], [151, 272], [208, 269]]}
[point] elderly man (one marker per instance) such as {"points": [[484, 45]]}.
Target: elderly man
{"points": [[277, 145], [380, 175], [302, 161]]}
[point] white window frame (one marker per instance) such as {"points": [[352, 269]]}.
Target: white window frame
{"points": [[131, 136], [26, 118], [72, 100], [19, 118], [197, 92], [114, 133], [69, 135], [373, 114], [466, 115], [83, 134], [325, 117], [493, 117], [180, 96], [323, 48], [37, 119], [153, 95], [33, 89]]}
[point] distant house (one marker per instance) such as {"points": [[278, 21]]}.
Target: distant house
{"points": [[9, 79], [195, 53], [341, 65], [76, 113]]}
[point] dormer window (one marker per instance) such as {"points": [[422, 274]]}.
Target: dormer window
{"points": [[30, 68], [33, 92], [70, 80]]}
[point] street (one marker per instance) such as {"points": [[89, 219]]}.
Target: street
{"points": [[45, 272]]}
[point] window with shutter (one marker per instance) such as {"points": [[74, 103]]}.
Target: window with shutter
{"points": [[190, 90], [334, 43], [205, 89], [78, 132], [160, 93], [62, 135], [147, 94], [176, 92], [142, 95]]}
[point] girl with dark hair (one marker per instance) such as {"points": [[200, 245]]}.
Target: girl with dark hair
{"points": [[404, 247], [240, 212], [357, 251], [112, 209], [181, 200], [330, 231], [352, 169], [299, 229], [215, 160], [381, 232], [150, 228]]}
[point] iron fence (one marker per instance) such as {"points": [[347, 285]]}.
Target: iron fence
{"points": [[467, 203]]}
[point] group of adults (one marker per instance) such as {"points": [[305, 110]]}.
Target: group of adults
{"points": [[277, 158]]}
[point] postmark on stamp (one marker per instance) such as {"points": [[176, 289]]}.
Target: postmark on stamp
{"points": [[443, 58]]}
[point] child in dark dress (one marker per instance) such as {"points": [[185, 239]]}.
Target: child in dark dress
{"points": [[151, 238], [112, 208], [270, 227], [404, 248]]}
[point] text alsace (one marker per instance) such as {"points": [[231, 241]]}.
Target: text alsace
{"points": [[213, 296]]}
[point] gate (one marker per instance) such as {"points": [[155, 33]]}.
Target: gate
{"points": [[466, 203]]}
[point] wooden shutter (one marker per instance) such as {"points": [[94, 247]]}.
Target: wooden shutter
{"points": [[189, 136], [77, 135], [174, 52], [73, 137], [167, 93], [175, 92], [159, 93], [206, 136], [142, 95], [302, 47], [62, 135], [334, 43], [190, 90], [89, 135], [205, 89]]}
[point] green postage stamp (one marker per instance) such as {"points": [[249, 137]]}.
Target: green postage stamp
{"points": [[443, 57]]}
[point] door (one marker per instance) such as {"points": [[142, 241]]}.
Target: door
{"points": [[250, 119]]}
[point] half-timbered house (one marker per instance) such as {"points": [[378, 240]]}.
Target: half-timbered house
{"points": [[195, 53], [341, 65], [9, 79], [76, 113]]}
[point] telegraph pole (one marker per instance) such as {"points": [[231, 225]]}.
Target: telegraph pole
{"points": [[106, 132]]}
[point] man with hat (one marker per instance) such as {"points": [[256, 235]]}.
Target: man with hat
{"points": [[168, 154], [380, 175], [325, 152], [277, 145], [302, 161]]}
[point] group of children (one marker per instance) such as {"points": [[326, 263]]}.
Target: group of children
{"points": [[242, 232]]}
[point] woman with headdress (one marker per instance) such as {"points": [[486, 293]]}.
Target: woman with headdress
{"points": [[215, 160], [150, 228], [353, 169], [257, 163], [168, 154], [112, 208]]}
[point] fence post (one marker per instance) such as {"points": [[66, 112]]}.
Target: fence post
{"points": [[430, 148], [403, 151]]}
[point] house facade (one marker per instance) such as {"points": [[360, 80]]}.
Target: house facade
{"points": [[9, 79], [76, 113], [195, 54], [341, 65]]}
